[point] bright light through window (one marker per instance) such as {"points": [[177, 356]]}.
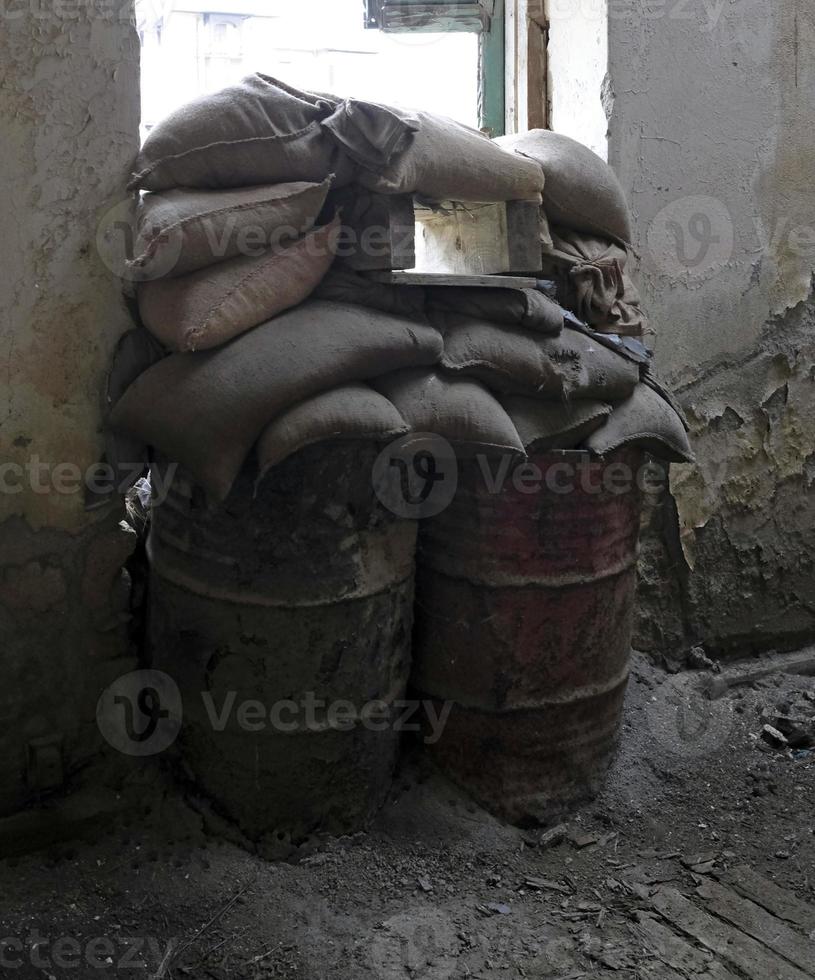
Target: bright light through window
{"points": [[190, 47]]}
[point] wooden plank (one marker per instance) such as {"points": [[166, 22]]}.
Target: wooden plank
{"points": [[758, 923], [677, 953], [378, 230], [800, 662], [399, 16], [492, 85], [434, 279], [524, 236], [783, 904], [478, 239], [753, 959]]}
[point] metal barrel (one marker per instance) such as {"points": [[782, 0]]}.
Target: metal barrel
{"points": [[524, 607], [285, 619]]}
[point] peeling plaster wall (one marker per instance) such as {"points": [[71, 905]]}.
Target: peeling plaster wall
{"points": [[712, 135], [69, 114]]}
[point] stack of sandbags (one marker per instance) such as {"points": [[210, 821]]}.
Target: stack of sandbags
{"points": [[588, 248]]}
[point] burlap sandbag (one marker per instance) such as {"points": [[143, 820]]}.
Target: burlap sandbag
{"points": [[259, 131], [343, 285], [582, 192], [211, 306], [447, 160], [353, 411], [645, 420], [544, 425], [517, 361], [206, 410], [527, 308], [459, 410], [592, 282], [181, 231]]}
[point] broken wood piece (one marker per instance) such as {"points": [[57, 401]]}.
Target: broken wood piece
{"points": [[800, 662], [758, 923], [783, 904], [676, 952], [378, 230], [396, 16], [410, 278], [743, 952], [461, 238], [544, 884]]}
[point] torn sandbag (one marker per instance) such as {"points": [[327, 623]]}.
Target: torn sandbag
{"points": [[446, 160], [353, 411], [529, 308], [259, 131], [592, 282], [582, 192], [509, 359], [211, 306], [206, 410], [647, 421], [181, 231], [545, 425], [460, 410], [343, 285]]}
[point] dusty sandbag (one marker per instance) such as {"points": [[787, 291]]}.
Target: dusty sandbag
{"points": [[645, 420], [544, 425], [527, 308], [259, 131], [446, 160], [459, 410], [353, 411], [582, 192], [206, 410], [372, 134], [592, 282], [343, 285], [509, 359], [180, 231], [211, 306]]}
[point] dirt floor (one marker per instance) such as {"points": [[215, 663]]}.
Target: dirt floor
{"points": [[637, 886]]}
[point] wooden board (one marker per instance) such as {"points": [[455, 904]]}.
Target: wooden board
{"points": [[758, 923], [677, 953], [435, 279], [460, 238], [410, 15], [378, 230], [769, 896], [746, 954]]}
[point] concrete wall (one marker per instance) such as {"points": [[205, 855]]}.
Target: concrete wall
{"points": [[711, 109], [69, 110]]}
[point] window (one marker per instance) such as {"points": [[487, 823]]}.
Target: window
{"points": [[445, 57]]}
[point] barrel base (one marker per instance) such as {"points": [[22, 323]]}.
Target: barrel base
{"points": [[532, 767]]}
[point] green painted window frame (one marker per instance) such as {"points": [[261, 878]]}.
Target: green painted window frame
{"points": [[449, 15]]}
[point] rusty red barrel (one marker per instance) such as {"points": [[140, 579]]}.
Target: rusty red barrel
{"points": [[282, 617], [525, 600]]}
